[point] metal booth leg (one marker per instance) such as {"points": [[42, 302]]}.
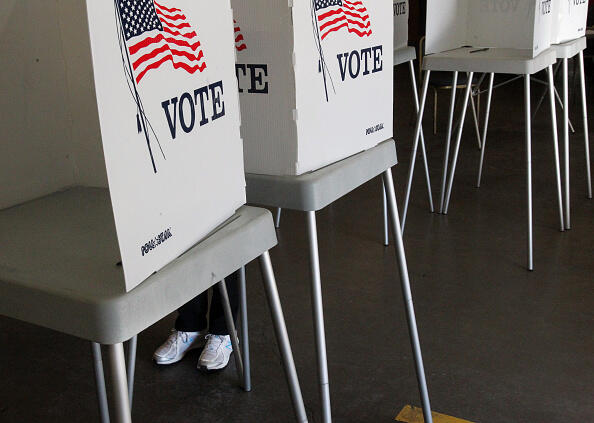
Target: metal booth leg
{"points": [[585, 116], [423, 147], [413, 155], [556, 145], [277, 218], [282, 336], [566, 143], [132, 344], [318, 316], [100, 381], [407, 296], [117, 366], [385, 210], [446, 155], [484, 143], [528, 168], [231, 327], [245, 340], [458, 139]]}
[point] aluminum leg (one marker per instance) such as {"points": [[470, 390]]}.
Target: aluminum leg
{"points": [[231, 327], [566, 143], [277, 218], [132, 343], [423, 147], [385, 210], [245, 339], [546, 91], [484, 143], [446, 156], [528, 167], [556, 146], [458, 139], [318, 316], [475, 118], [100, 381], [282, 336], [585, 116], [407, 296], [413, 155], [434, 111], [121, 401]]}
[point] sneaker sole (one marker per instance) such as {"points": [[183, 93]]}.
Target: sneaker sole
{"points": [[178, 359]]}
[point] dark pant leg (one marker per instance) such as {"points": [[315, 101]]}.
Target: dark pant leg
{"points": [[218, 326], [192, 315]]}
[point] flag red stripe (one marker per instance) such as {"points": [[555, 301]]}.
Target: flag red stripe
{"points": [[353, 30], [186, 35], [176, 65], [167, 9], [177, 17], [239, 38], [154, 53], [350, 21], [148, 41]]}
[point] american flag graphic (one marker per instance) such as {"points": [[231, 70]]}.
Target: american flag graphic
{"points": [[156, 34], [334, 15], [239, 41]]}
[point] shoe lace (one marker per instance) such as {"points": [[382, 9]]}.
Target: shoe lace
{"points": [[213, 341]]}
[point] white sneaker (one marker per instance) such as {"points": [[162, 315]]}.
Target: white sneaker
{"points": [[177, 345], [216, 353]]}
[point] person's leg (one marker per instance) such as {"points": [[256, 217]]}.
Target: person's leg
{"points": [[192, 315], [218, 349], [217, 324], [189, 333]]}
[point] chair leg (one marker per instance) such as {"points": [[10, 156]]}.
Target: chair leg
{"points": [[458, 139], [231, 327], [407, 296], [100, 382], [423, 148], [385, 215], [413, 154], [318, 316], [484, 143], [446, 155], [277, 218], [585, 116], [117, 365], [528, 167], [566, 143], [282, 336], [132, 344], [556, 145], [245, 340]]}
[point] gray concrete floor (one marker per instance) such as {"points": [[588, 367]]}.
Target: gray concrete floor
{"points": [[500, 344]]}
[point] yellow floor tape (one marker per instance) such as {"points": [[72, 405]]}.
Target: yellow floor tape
{"points": [[410, 414]]}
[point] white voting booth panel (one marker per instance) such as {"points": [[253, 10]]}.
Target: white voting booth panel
{"points": [[516, 24], [400, 23], [139, 96], [315, 81], [569, 20]]}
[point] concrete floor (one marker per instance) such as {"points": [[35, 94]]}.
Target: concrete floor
{"points": [[500, 344]]}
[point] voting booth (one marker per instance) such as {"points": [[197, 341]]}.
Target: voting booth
{"points": [[315, 81], [139, 97], [514, 24], [400, 23], [569, 20]]}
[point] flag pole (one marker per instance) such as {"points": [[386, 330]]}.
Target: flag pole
{"points": [[322, 63], [136, 95]]}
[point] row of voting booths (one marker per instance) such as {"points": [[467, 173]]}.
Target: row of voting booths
{"points": [[127, 129], [521, 37]]}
